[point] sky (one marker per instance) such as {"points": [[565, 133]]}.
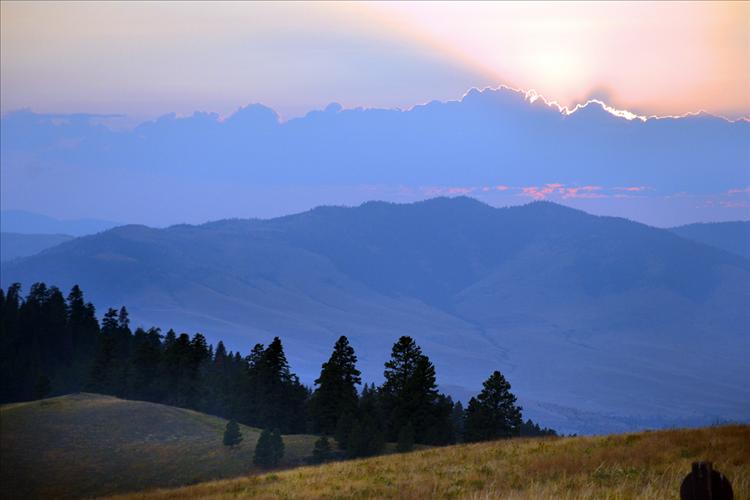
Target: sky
{"points": [[136, 62], [145, 59]]}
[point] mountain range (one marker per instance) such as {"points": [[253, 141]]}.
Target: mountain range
{"points": [[600, 323]]}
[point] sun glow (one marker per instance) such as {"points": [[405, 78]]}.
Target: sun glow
{"points": [[650, 57]]}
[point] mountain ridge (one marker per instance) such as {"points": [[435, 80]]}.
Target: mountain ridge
{"points": [[542, 292]]}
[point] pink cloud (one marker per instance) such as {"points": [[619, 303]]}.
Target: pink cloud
{"points": [[583, 192], [543, 192], [448, 190], [459, 190], [632, 188], [739, 191], [538, 193], [502, 188], [733, 204]]}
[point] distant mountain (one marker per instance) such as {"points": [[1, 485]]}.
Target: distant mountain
{"points": [[730, 236], [14, 245], [600, 323], [22, 222]]}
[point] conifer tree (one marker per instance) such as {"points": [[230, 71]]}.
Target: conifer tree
{"points": [[493, 413], [457, 421], [367, 434], [405, 438], [269, 450], [321, 451], [344, 429], [409, 393], [336, 394], [277, 447], [232, 434]]}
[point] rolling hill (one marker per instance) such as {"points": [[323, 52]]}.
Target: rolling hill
{"points": [[730, 236], [14, 245], [23, 222], [648, 465], [86, 445], [601, 324]]}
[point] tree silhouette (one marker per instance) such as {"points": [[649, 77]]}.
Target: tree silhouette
{"points": [[269, 450], [232, 434], [493, 413], [336, 394]]}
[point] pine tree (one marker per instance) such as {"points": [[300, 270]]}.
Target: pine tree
{"points": [[409, 393], [274, 396], [532, 429], [493, 413], [262, 456], [144, 365], [405, 438], [321, 451], [457, 421], [336, 394], [366, 438], [232, 434], [277, 447], [344, 429], [269, 450], [84, 333], [367, 434]]}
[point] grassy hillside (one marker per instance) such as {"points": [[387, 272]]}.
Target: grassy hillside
{"points": [[644, 465], [89, 445]]}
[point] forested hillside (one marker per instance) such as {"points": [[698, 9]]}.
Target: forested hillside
{"points": [[51, 345], [604, 307]]}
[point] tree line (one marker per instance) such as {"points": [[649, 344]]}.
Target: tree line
{"points": [[51, 344]]}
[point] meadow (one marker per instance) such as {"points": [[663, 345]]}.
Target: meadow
{"points": [[642, 465], [88, 445]]}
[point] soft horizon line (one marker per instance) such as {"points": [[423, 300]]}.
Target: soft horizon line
{"points": [[530, 96], [359, 205]]}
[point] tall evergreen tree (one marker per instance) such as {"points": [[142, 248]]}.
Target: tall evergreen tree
{"points": [[336, 394], [145, 365], [405, 439], [493, 413], [269, 450], [458, 416], [14, 349], [366, 436], [276, 397], [84, 333], [409, 394]]}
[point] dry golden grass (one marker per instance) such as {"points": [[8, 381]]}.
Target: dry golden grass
{"points": [[643, 465]]}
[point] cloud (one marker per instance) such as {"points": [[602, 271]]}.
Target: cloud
{"points": [[562, 191], [745, 190], [733, 204], [491, 143], [540, 193]]}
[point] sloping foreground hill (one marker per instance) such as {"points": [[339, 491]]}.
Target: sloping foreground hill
{"points": [[644, 465], [601, 324], [87, 445]]}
